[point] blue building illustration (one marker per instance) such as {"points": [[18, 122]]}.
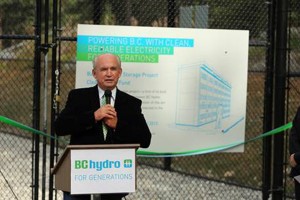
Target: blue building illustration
{"points": [[203, 97]]}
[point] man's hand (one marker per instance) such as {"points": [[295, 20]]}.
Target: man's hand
{"points": [[108, 114], [292, 160], [112, 123]]}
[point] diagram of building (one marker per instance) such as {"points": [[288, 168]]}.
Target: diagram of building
{"points": [[203, 97]]}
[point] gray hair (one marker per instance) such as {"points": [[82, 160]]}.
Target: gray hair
{"points": [[97, 57]]}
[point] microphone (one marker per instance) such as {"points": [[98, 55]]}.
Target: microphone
{"points": [[107, 95]]}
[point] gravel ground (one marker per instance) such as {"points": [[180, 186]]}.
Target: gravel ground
{"points": [[153, 183], [172, 185]]}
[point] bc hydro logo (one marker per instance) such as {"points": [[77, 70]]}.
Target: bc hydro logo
{"points": [[100, 165], [128, 163]]}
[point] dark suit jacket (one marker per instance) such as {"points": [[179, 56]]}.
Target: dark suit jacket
{"points": [[294, 143], [77, 119]]}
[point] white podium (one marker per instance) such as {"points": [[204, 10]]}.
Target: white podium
{"points": [[96, 169]]}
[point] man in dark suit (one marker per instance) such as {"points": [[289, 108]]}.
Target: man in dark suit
{"points": [[294, 147], [83, 118]]}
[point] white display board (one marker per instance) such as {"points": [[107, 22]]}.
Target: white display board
{"points": [[95, 171], [193, 82]]}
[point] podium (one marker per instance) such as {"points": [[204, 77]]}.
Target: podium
{"points": [[96, 169]]}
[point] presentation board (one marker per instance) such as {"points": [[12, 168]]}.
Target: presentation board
{"points": [[193, 82]]}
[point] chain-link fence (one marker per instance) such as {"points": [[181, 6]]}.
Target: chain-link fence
{"points": [[17, 49], [37, 62]]}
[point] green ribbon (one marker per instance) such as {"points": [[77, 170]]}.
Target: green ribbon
{"points": [[24, 127], [163, 154], [214, 149]]}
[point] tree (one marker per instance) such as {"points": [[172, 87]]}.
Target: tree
{"points": [[16, 18]]}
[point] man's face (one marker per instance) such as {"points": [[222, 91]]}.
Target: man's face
{"points": [[107, 72]]}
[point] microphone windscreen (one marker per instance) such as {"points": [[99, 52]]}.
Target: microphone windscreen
{"points": [[107, 94]]}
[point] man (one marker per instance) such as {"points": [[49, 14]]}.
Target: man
{"points": [[120, 122], [294, 146]]}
